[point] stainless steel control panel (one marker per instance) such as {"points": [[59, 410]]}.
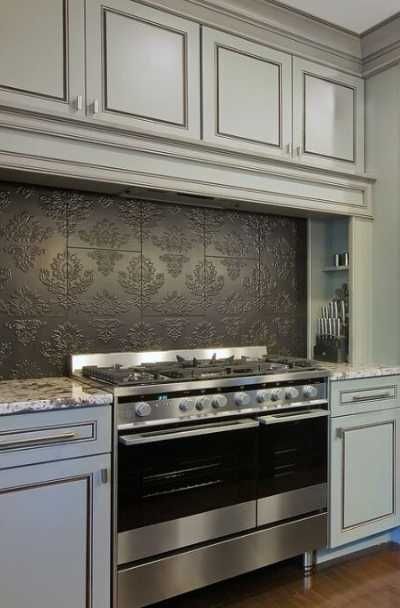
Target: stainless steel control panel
{"points": [[167, 410]]}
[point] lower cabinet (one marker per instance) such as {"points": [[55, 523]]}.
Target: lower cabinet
{"points": [[365, 490], [55, 534]]}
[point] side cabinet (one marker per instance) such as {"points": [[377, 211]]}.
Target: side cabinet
{"points": [[42, 53], [55, 517], [364, 462], [143, 69], [328, 117], [247, 91]]}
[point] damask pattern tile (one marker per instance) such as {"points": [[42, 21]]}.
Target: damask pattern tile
{"points": [[104, 222], [173, 260], [30, 241], [88, 272], [104, 304], [232, 234]]}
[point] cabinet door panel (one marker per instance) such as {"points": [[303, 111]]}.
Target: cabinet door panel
{"points": [[368, 491], [55, 535], [364, 489], [42, 46], [328, 113], [330, 132], [149, 79], [247, 95]]}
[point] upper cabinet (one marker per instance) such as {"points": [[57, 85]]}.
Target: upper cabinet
{"points": [[328, 117], [134, 68], [143, 69], [247, 91], [42, 56]]}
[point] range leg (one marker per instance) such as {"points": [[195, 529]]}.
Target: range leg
{"points": [[308, 562]]}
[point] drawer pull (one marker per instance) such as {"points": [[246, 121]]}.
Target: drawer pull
{"points": [[37, 442], [372, 397]]}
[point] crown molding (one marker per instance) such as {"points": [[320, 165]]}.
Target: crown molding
{"points": [[269, 23], [273, 24]]}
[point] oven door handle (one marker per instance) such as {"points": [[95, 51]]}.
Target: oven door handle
{"points": [[280, 418], [155, 437]]}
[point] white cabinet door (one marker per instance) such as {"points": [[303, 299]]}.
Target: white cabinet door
{"points": [[143, 69], [365, 452], [247, 93], [55, 535], [328, 115], [42, 56]]}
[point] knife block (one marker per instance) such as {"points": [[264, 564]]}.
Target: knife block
{"points": [[331, 349]]}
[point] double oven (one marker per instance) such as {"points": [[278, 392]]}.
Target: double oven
{"points": [[192, 490]]}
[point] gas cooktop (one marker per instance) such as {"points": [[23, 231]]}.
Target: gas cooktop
{"points": [[196, 385], [183, 368]]}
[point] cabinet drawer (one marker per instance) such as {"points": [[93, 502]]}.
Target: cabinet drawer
{"points": [[49, 436], [364, 395]]}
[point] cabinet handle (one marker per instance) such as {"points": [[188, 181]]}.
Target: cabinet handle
{"points": [[104, 475], [37, 442], [299, 150], [95, 106], [79, 103], [288, 148], [372, 397]]}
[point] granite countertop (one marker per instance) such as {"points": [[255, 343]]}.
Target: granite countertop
{"points": [[346, 371], [38, 395]]}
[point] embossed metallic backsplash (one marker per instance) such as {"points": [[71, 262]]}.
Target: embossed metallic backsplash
{"points": [[82, 272]]}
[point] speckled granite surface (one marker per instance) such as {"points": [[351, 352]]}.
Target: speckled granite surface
{"points": [[37, 395], [345, 371]]}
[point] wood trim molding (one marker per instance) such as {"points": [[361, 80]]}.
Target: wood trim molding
{"points": [[74, 151]]}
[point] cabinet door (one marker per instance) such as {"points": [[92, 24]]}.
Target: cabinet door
{"points": [[55, 535], [246, 95], [328, 114], [42, 56], [364, 475], [143, 68]]}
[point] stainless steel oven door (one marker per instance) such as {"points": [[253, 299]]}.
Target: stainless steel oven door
{"points": [[184, 486], [292, 474]]}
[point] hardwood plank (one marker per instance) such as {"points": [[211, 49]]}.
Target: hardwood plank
{"points": [[365, 580]]}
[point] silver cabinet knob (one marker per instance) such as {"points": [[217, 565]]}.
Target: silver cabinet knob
{"points": [[218, 401], [241, 399], [143, 409]]}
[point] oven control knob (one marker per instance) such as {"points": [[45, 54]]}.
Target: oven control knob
{"points": [[202, 404], [143, 409], [277, 394], [263, 396], [186, 405], [310, 391], [219, 401], [242, 399], [292, 393]]}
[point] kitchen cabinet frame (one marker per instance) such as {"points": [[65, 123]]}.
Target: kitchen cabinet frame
{"points": [[213, 42], [89, 475], [71, 103], [99, 109], [342, 532], [303, 69]]}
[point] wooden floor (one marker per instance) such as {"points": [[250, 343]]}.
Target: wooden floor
{"points": [[367, 580]]}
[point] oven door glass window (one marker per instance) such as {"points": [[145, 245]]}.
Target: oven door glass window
{"points": [[183, 476], [293, 455]]}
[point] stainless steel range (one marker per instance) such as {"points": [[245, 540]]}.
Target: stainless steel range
{"points": [[220, 466]]}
